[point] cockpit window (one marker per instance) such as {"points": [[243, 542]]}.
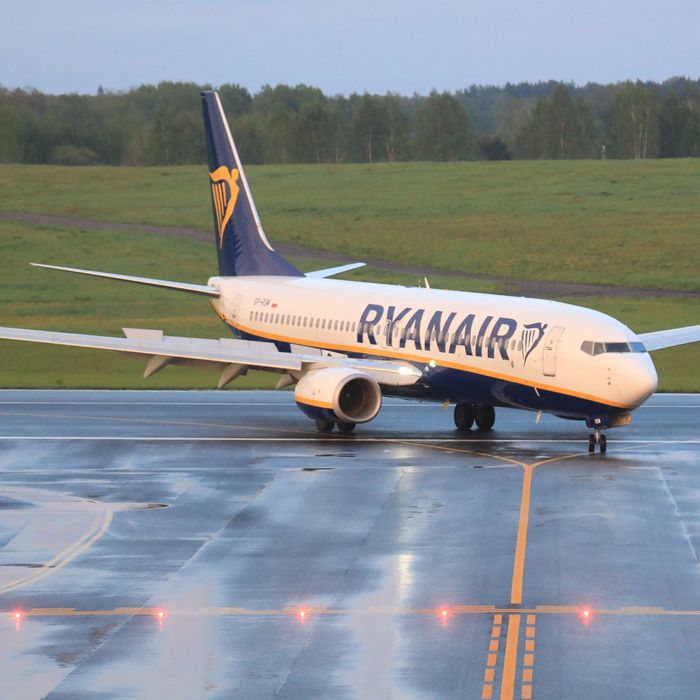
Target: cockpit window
{"points": [[593, 348]]}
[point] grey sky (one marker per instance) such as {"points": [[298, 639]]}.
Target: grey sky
{"points": [[355, 45]]}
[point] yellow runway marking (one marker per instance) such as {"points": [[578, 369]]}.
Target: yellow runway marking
{"points": [[492, 657], [511, 657], [528, 658], [516, 588], [100, 525], [564, 610]]}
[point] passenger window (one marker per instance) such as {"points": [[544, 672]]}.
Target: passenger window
{"points": [[335, 326]]}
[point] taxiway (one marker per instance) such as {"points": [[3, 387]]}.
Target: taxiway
{"points": [[211, 544]]}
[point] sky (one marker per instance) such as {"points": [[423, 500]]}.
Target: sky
{"points": [[404, 46]]}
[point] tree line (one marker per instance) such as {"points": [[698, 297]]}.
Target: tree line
{"points": [[161, 124]]}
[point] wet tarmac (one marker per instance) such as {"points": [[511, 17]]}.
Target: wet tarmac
{"points": [[211, 544]]}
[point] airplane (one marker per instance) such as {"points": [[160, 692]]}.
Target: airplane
{"points": [[346, 344]]}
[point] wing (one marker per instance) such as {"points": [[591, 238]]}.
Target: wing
{"points": [[333, 271], [230, 356], [658, 340]]}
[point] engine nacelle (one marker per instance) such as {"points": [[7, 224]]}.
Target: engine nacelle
{"points": [[340, 394]]}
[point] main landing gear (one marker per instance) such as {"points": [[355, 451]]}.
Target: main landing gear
{"points": [[597, 438], [326, 426], [466, 414]]}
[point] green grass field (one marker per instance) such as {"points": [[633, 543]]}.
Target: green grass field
{"points": [[617, 222], [625, 223]]}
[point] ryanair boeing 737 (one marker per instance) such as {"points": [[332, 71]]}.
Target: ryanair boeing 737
{"points": [[345, 344]]}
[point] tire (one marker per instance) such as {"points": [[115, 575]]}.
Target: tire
{"points": [[324, 426], [603, 444], [346, 428], [591, 444], [485, 417], [464, 416]]}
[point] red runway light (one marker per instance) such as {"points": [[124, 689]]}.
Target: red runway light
{"points": [[444, 612], [586, 615], [302, 614], [18, 616]]}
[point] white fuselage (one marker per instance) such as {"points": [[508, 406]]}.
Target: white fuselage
{"points": [[528, 352]]}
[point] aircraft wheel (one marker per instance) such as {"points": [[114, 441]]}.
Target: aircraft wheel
{"points": [[591, 443], [464, 416], [346, 428], [324, 426], [485, 417], [603, 444]]}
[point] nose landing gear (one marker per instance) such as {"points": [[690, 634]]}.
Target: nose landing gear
{"points": [[597, 438]]}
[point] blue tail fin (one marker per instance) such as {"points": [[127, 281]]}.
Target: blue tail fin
{"points": [[242, 246]]}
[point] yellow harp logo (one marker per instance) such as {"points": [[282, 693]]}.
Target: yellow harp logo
{"points": [[224, 193]]}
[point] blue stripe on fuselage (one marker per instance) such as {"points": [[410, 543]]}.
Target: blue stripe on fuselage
{"points": [[440, 383]]}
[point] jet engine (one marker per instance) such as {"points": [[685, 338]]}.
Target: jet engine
{"points": [[338, 394]]}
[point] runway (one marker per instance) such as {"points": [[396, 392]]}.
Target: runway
{"points": [[212, 544]]}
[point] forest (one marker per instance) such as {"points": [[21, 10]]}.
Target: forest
{"points": [[161, 124]]}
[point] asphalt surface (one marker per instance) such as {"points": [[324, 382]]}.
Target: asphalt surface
{"points": [[211, 544]]}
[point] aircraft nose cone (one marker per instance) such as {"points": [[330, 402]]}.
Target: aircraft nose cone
{"points": [[638, 381]]}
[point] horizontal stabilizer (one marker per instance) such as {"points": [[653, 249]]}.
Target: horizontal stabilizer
{"points": [[148, 281], [658, 340], [333, 271]]}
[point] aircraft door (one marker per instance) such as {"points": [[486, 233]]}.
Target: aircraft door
{"points": [[549, 354]]}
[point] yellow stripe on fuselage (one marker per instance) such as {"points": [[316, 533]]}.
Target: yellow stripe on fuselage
{"points": [[393, 354]]}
